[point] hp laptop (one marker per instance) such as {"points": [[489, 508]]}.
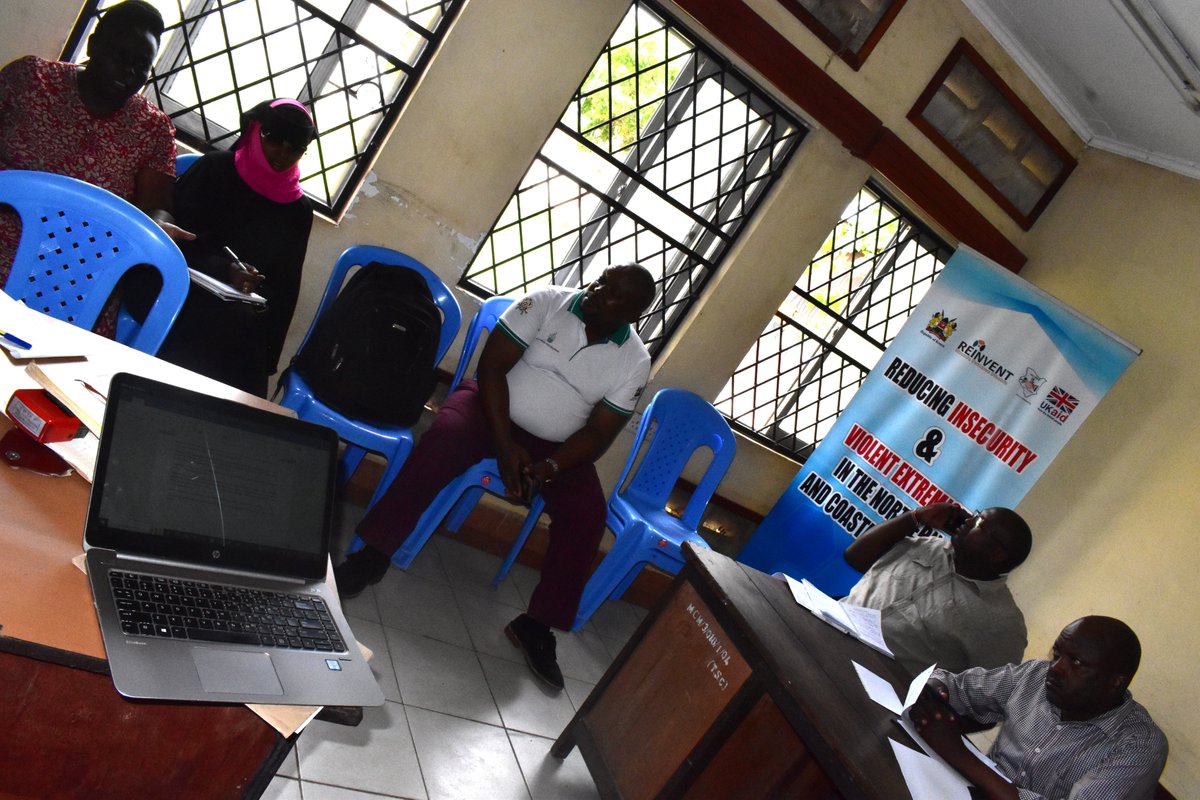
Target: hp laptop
{"points": [[207, 541]]}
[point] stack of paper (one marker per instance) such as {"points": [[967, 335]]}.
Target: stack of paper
{"points": [[863, 624], [224, 290], [928, 776]]}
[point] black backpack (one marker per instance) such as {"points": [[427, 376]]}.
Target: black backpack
{"points": [[371, 354]]}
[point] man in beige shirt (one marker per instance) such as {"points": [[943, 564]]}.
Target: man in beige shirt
{"points": [[944, 601]]}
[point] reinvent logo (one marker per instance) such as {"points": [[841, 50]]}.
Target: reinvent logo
{"points": [[973, 352]]}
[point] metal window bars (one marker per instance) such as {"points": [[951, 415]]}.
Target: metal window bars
{"points": [[846, 308], [353, 62], [661, 156]]}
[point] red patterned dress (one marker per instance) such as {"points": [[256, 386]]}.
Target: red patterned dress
{"points": [[45, 126]]}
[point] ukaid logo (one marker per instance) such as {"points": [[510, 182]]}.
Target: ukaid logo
{"points": [[1059, 404], [973, 352], [940, 327]]}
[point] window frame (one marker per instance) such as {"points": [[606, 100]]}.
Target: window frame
{"points": [[999, 97], [686, 270], [788, 444], [200, 133], [836, 40]]}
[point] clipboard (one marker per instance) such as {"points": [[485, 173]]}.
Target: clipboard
{"points": [[224, 290]]}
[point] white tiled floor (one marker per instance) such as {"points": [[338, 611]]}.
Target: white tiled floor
{"points": [[464, 717]]}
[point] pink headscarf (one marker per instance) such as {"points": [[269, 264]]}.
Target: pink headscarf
{"points": [[251, 164]]}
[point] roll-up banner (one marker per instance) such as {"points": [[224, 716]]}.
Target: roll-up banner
{"points": [[970, 403]]}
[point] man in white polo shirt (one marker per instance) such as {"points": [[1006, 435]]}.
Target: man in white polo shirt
{"points": [[555, 387]]}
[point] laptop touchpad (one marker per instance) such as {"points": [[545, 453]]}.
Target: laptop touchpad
{"points": [[236, 672]]}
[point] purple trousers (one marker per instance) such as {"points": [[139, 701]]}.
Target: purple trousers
{"points": [[460, 437]]}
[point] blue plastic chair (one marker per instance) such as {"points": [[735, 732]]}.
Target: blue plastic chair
{"points": [[646, 533], [393, 442], [457, 499], [483, 322], [125, 321], [183, 161], [77, 240]]}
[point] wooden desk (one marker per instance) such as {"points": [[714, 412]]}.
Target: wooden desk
{"points": [[729, 689], [66, 732]]}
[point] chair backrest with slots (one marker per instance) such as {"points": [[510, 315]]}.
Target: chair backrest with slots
{"points": [[77, 241], [682, 422]]}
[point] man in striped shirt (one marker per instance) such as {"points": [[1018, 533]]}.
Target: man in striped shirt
{"points": [[1071, 728]]}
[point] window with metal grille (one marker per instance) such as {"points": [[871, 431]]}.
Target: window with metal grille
{"points": [[849, 304], [353, 62], [661, 157]]}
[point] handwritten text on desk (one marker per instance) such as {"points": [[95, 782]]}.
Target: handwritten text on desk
{"points": [[719, 649]]}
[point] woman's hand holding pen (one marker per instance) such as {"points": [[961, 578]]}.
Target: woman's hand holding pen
{"points": [[242, 276]]}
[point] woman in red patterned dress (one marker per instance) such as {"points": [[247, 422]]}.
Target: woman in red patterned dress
{"points": [[90, 122]]}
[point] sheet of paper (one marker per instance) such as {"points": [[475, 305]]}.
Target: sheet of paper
{"points": [[829, 609], [286, 720], [35, 329], [928, 779], [878, 689], [918, 683], [42, 349], [905, 722], [868, 627], [80, 454], [882, 692], [41, 345], [799, 591], [863, 624]]}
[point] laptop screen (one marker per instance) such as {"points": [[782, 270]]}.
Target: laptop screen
{"points": [[188, 477]]}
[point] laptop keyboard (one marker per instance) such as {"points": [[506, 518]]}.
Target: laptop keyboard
{"points": [[171, 608]]}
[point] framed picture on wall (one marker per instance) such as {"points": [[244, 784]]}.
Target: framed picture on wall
{"points": [[851, 28], [969, 112]]}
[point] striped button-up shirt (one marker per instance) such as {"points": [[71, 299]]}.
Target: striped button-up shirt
{"points": [[1118, 754]]}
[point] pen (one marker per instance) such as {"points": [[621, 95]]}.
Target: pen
{"points": [[16, 340], [229, 252]]}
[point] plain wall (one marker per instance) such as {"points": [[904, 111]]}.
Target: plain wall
{"points": [[1111, 516], [1115, 514]]}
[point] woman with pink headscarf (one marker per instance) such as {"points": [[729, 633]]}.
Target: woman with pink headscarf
{"points": [[248, 202]]}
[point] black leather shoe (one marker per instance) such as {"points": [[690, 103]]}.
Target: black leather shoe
{"points": [[360, 570], [536, 641]]}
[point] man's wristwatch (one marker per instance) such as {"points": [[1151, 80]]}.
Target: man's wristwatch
{"points": [[553, 467]]}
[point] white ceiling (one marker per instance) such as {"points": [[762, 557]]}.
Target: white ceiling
{"points": [[1090, 64]]}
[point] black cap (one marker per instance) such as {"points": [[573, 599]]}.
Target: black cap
{"points": [[285, 119]]}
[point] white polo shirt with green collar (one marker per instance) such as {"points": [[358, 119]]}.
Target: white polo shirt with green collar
{"points": [[560, 378]]}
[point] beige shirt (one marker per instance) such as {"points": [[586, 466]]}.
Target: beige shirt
{"points": [[931, 614]]}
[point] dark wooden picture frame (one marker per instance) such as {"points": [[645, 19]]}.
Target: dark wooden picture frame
{"points": [[851, 28], [977, 120]]}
